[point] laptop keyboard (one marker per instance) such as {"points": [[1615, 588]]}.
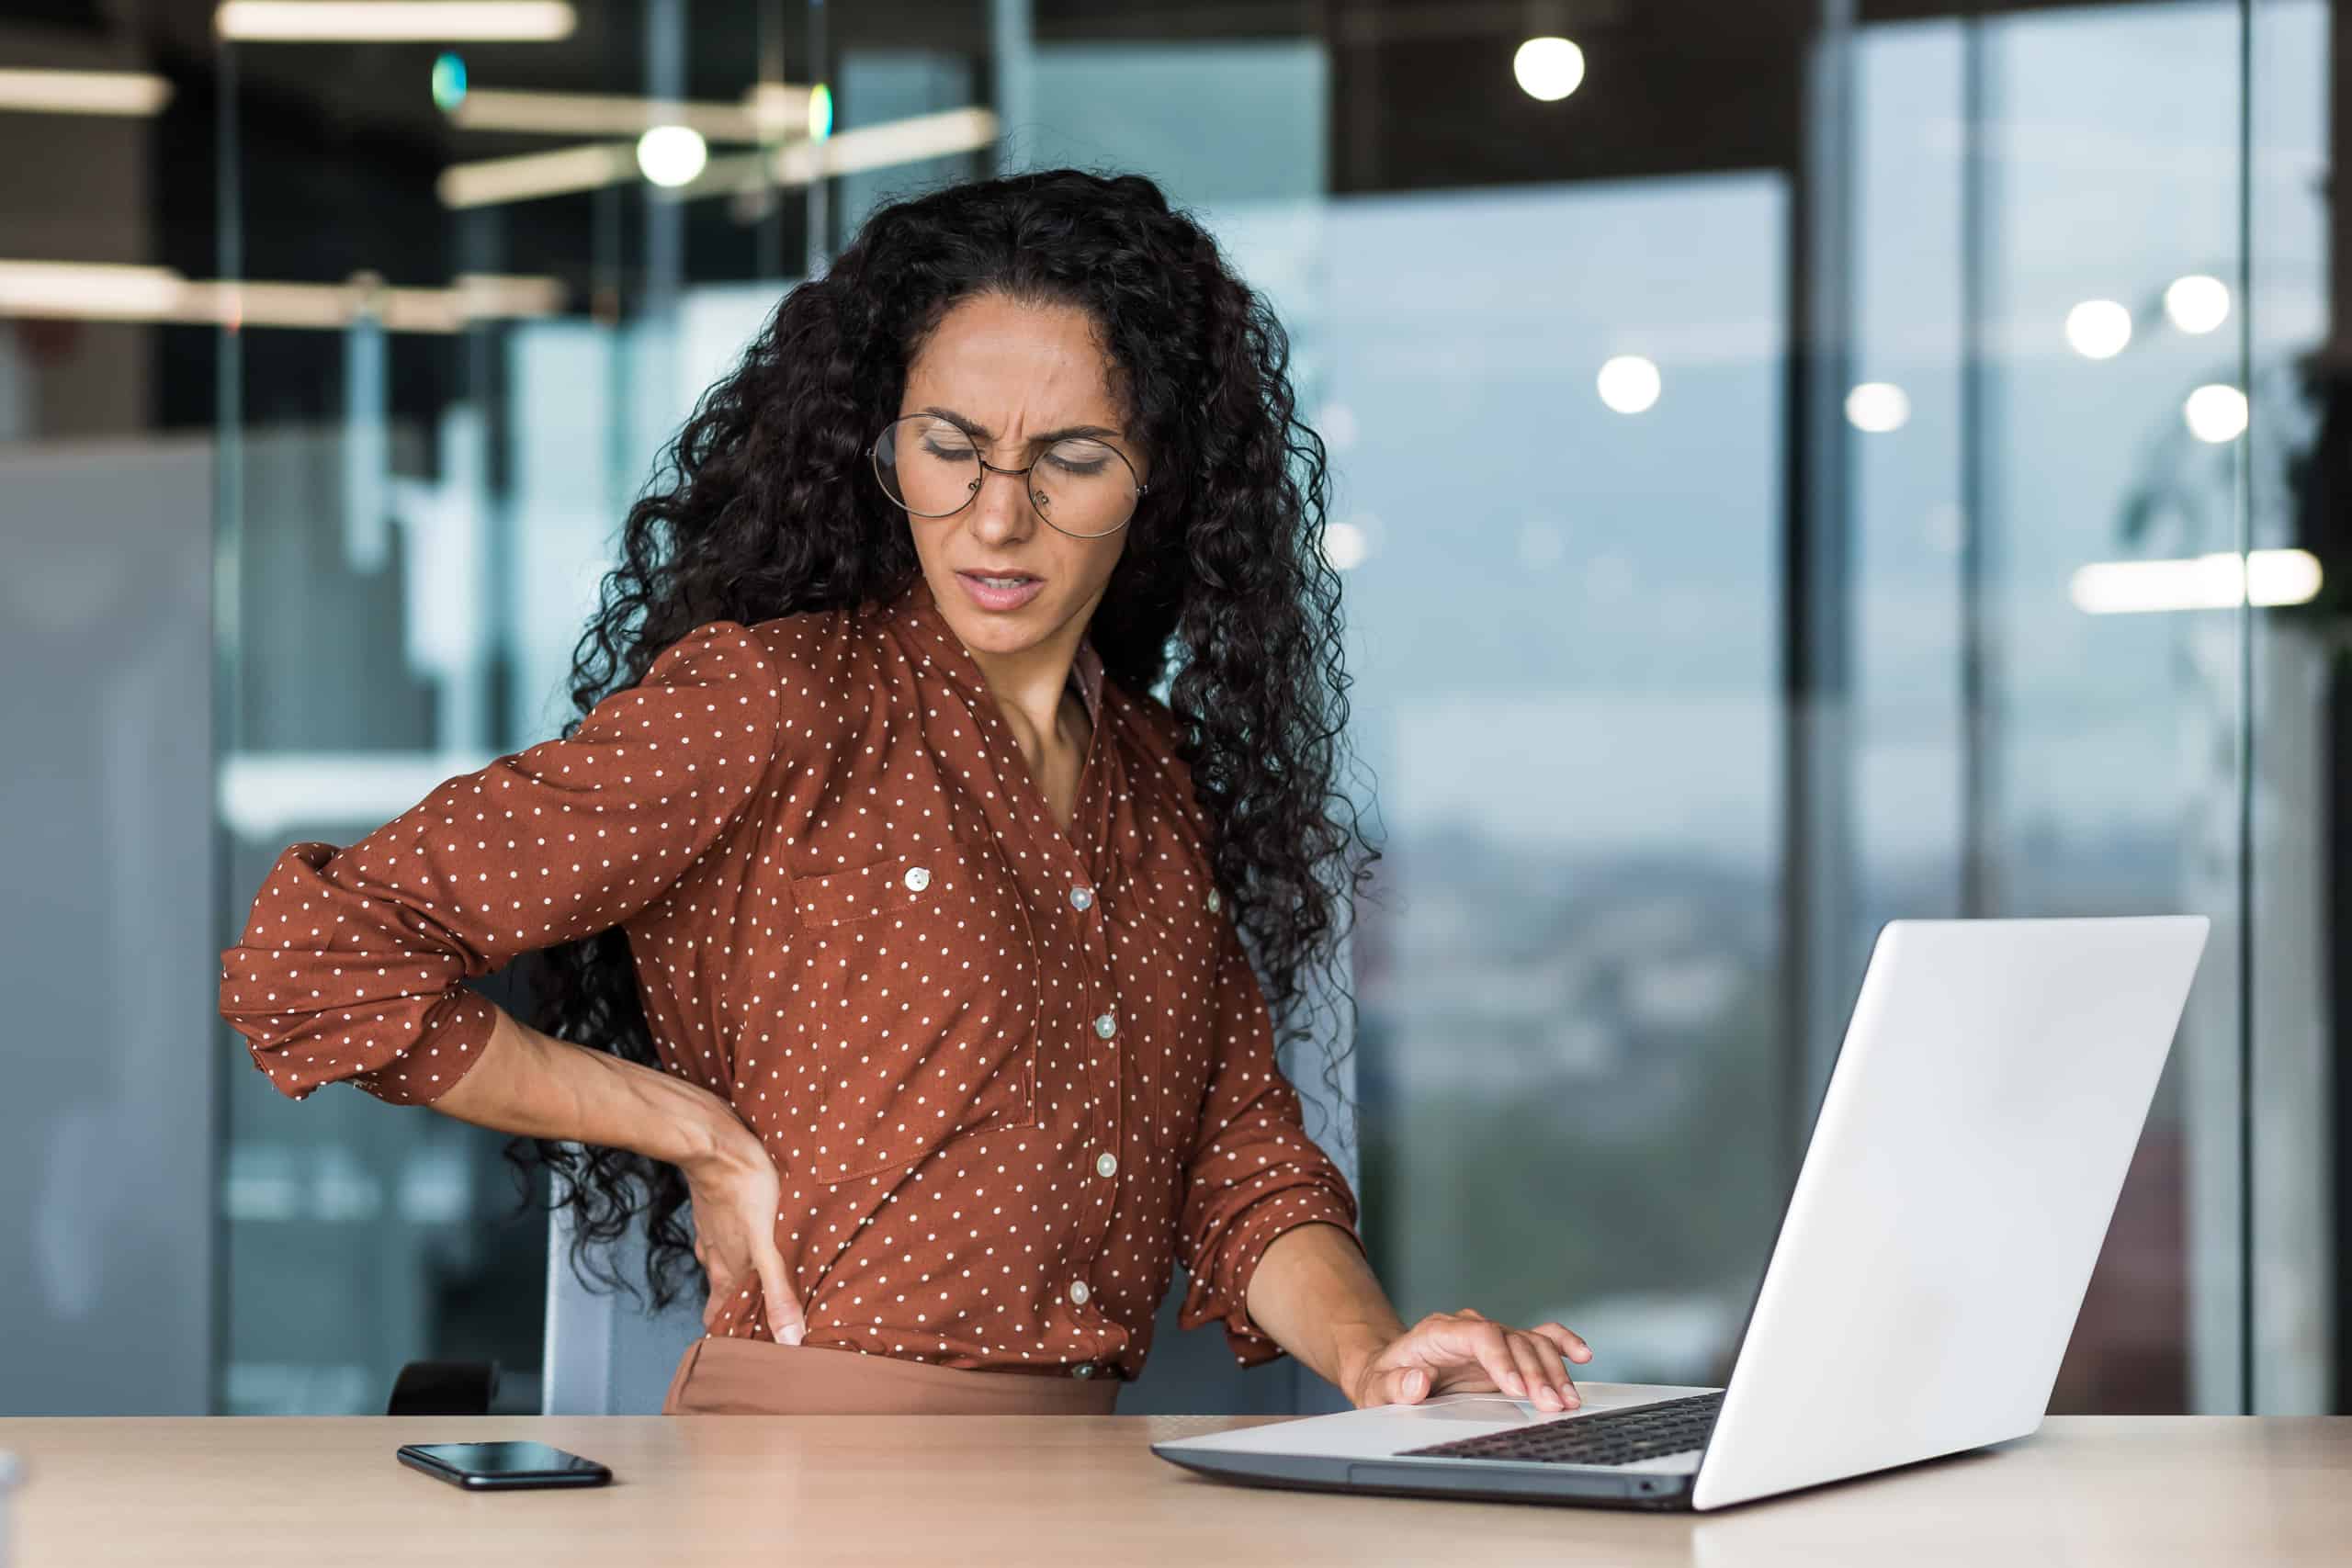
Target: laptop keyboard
{"points": [[1612, 1437]]}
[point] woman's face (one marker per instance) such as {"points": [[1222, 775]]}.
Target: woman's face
{"points": [[1016, 382]]}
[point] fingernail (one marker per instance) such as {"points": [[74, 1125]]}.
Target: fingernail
{"points": [[1517, 1385], [791, 1334]]}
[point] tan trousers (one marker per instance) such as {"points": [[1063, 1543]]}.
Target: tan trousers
{"points": [[723, 1375]]}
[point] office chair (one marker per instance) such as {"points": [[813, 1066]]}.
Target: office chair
{"points": [[605, 1353], [602, 1353], [444, 1387]]}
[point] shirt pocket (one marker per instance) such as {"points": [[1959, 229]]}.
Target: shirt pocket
{"points": [[915, 1006], [1166, 926], [863, 893]]}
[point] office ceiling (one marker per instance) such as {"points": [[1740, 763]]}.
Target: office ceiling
{"points": [[1422, 95]]}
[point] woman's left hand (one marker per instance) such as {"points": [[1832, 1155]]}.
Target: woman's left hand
{"points": [[1467, 1352]]}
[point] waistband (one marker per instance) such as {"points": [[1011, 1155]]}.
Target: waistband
{"points": [[725, 1375]]}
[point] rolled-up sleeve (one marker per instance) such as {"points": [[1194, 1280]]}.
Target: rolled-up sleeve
{"points": [[1254, 1172], [352, 962]]}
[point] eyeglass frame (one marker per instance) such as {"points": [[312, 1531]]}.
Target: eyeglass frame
{"points": [[874, 457]]}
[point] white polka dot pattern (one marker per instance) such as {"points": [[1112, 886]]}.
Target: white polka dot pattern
{"points": [[851, 914]]}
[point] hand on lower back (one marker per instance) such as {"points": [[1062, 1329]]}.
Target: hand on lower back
{"points": [[735, 1193]]}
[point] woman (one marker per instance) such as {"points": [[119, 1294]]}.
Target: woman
{"points": [[900, 923]]}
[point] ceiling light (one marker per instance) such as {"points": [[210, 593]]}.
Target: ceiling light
{"points": [[2221, 581], [1345, 545], [527, 176], [1629, 383], [393, 21], [1878, 407], [93, 290], [770, 111], [671, 155], [2215, 413], [113, 292], [2098, 329], [1548, 68], [132, 93], [2197, 303], [881, 146], [530, 176]]}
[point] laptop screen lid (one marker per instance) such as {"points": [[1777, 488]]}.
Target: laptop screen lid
{"points": [[1953, 1197]]}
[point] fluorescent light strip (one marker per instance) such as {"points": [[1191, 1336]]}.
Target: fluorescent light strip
{"points": [[130, 93], [104, 291], [97, 291], [530, 176], [880, 146], [851, 152], [783, 108], [394, 21], [773, 110], [2275, 578]]}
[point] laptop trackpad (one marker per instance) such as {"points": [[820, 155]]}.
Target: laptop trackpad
{"points": [[1466, 1407]]}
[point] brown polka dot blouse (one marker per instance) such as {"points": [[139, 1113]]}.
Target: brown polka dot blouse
{"points": [[1010, 1075]]}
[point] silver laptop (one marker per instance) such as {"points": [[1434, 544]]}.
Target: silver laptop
{"points": [[1929, 1268]]}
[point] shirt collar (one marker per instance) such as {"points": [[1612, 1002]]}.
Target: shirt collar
{"points": [[918, 612]]}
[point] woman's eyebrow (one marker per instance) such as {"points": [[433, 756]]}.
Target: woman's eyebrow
{"points": [[973, 427]]}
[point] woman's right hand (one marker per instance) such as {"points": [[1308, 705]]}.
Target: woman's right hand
{"points": [[735, 1193]]}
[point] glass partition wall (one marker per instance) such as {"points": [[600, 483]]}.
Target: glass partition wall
{"points": [[1794, 463]]}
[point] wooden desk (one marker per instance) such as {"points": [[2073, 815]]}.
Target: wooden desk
{"points": [[1083, 1491]]}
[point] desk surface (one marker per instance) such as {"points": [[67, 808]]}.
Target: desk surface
{"points": [[1084, 1491]]}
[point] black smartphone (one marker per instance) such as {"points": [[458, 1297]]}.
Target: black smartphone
{"points": [[485, 1467]]}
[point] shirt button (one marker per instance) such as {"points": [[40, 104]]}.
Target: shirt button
{"points": [[1212, 900], [1081, 897], [1079, 1293], [1106, 1026], [1106, 1163], [1083, 1370], [918, 877]]}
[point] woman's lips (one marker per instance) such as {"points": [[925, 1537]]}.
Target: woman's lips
{"points": [[990, 597]]}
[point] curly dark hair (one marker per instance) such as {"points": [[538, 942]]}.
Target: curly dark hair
{"points": [[762, 506]]}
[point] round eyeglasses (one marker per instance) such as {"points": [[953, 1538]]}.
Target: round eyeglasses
{"points": [[933, 467]]}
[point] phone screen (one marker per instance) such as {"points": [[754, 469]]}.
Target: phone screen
{"points": [[510, 1461]]}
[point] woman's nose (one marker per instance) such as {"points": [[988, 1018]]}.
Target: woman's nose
{"points": [[1003, 505]]}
